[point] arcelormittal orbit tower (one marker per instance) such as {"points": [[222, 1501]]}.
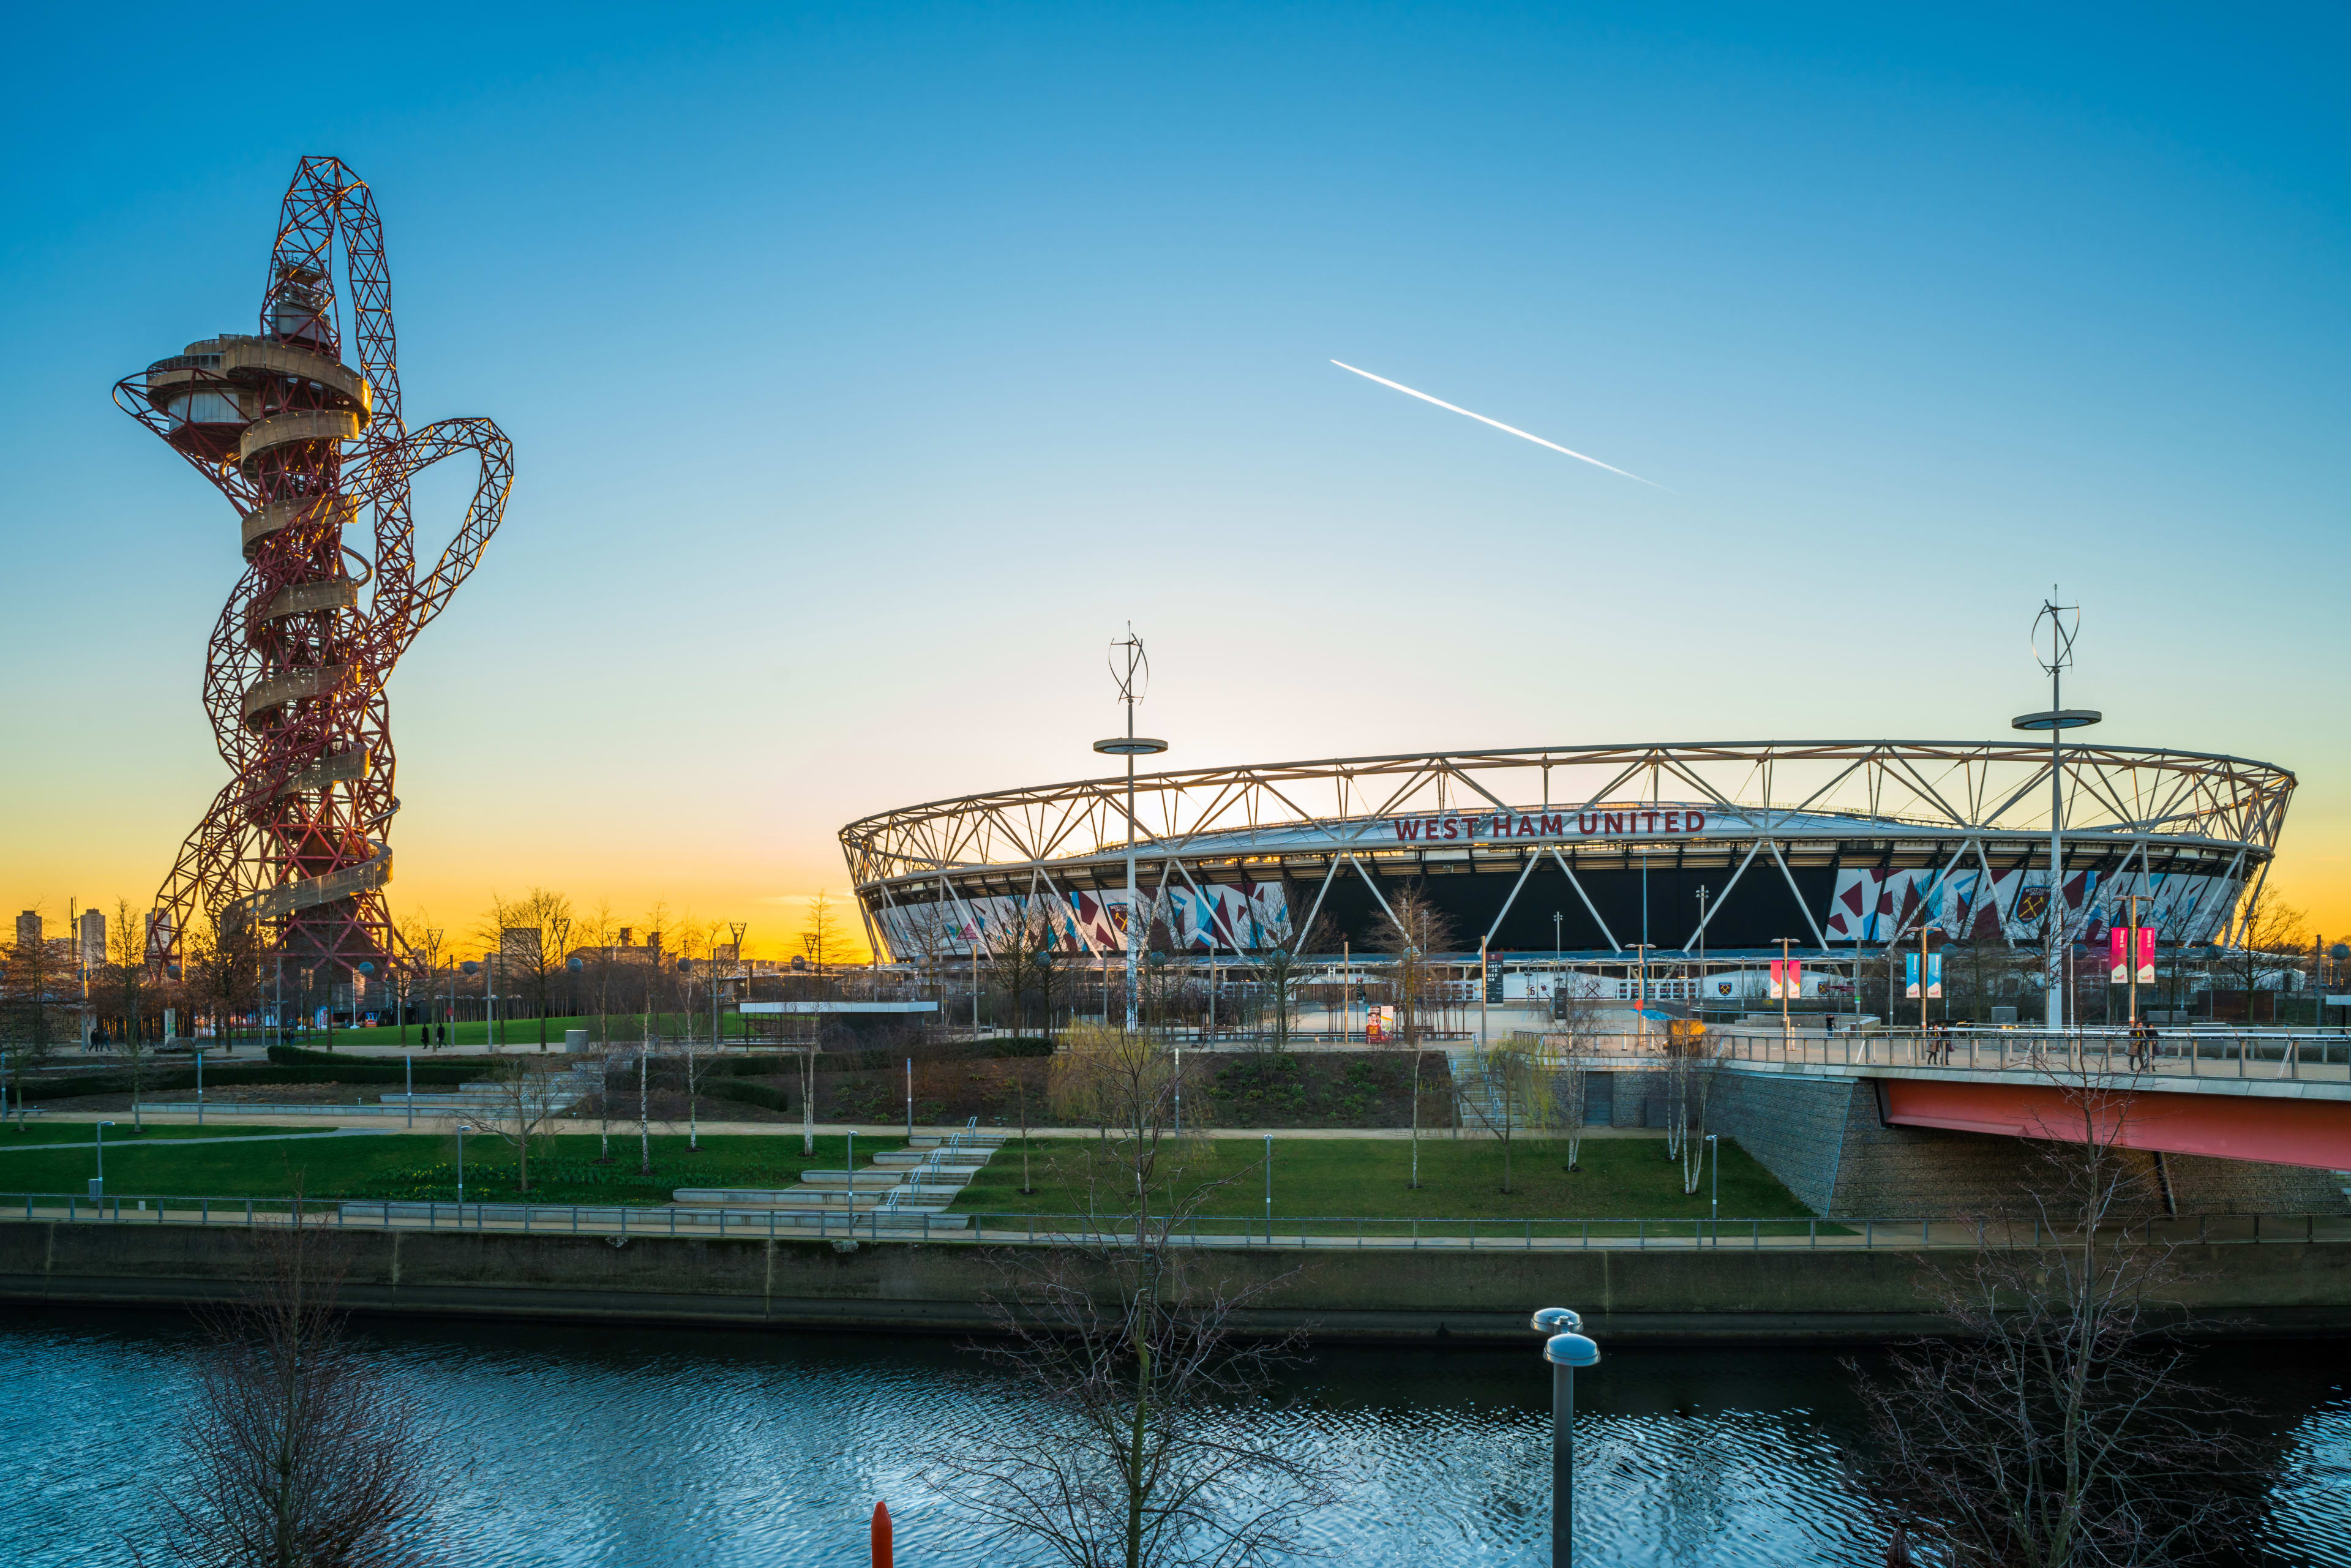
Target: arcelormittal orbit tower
{"points": [[313, 453]]}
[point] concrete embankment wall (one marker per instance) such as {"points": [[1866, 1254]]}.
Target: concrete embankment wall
{"points": [[1823, 1137], [1374, 1294]]}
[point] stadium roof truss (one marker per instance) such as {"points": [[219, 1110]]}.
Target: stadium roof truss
{"points": [[1762, 794]]}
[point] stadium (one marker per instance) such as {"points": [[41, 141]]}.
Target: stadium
{"points": [[1591, 855]]}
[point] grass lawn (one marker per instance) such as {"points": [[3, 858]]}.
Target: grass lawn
{"points": [[1348, 1178], [521, 1032], [423, 1165], [123, 1135]]}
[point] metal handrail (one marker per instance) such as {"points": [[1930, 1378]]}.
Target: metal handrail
{"points": [[2307, 1059], [1872, 1233]]}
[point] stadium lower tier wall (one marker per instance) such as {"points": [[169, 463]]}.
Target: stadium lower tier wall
{"points": [[1822, 1138], [1430, 1296]]}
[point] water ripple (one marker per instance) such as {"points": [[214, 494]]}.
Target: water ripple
{"points": [[652, 1448]]}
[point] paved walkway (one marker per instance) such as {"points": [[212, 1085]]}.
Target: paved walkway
{"points": [[237, 1138], [225, 1111], [1611, 1236]]}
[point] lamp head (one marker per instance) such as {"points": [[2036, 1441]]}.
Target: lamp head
{"points": [[575, 966], [1571, 1350], [1557, 1320]]}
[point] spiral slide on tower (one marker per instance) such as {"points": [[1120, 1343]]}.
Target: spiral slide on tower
{"points": [[318, 459], [308, 892]]}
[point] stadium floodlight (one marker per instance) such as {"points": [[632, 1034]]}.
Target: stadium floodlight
{"points": [[1131, 671], [2056, 720]]}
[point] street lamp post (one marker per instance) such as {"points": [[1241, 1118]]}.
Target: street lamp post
{"points": [[1268, 1189], [1714, 1202], [1702, 896], [1641, 988], [97, 1186], [1565, 1350], [2131, 901], [1481, 993], [463, 1128], [1784, 944], [2058, 719], [1132, 681]]}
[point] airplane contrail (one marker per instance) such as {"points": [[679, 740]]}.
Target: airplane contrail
{"points": [[1497, 424]]}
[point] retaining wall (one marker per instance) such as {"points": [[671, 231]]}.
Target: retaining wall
{"points": [[1822, 1138], [1729, 1293]]}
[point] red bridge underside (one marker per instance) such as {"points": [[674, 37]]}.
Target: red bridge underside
{"points": [[2232, 1127]]}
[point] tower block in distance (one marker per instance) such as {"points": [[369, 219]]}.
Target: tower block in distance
{"points": [[313, 452]]}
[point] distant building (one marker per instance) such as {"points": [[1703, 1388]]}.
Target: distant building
{"points": [[93, 938], [28, 928], [624, 951], [519, 945]]}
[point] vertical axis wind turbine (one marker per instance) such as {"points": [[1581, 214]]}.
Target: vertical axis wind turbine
{"points": [[295, 850], [1131, 671], [2057, 720]]}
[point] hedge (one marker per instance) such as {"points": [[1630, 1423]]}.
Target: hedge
{"points": [[471, 1067], [165, 1080], [750, 1094]]}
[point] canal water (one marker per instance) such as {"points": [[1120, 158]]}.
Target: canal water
{"points": [[665, 1449]]}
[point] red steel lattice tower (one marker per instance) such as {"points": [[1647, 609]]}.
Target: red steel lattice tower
{"points": [[310, 452]]}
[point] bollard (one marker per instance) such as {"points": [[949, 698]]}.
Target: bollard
{"points": [[881, 1540]]}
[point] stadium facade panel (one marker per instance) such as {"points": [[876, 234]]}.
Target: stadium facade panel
{"points": [[1587, 851]]}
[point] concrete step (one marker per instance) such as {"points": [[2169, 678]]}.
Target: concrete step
{"points": [[651, 1221], [801, 1199]]}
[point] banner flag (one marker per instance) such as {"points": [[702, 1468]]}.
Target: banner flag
{"points": [[1796, 977], [1779, 980], [1910, 976], [2117, 955], [2146, 954], [1935, 976]]}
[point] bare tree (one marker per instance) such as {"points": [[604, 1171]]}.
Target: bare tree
{"points": [[427, 952], [596, 931], [1694, 1058], [1519, 1089], [522, 1100], [1135, 1433], [645, 1102], [31, 978], [2056, 1428], [2269, 939], [1420, 930], [224, 969], [1281, 965], [1020, 961], [532, 937], [294, 1452], [1575, 1038], [822, 937]]}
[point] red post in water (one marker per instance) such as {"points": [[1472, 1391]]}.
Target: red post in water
{"points": [[882, 1553]]}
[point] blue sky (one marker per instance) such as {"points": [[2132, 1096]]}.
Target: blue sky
{"points": [[869, 368]]}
